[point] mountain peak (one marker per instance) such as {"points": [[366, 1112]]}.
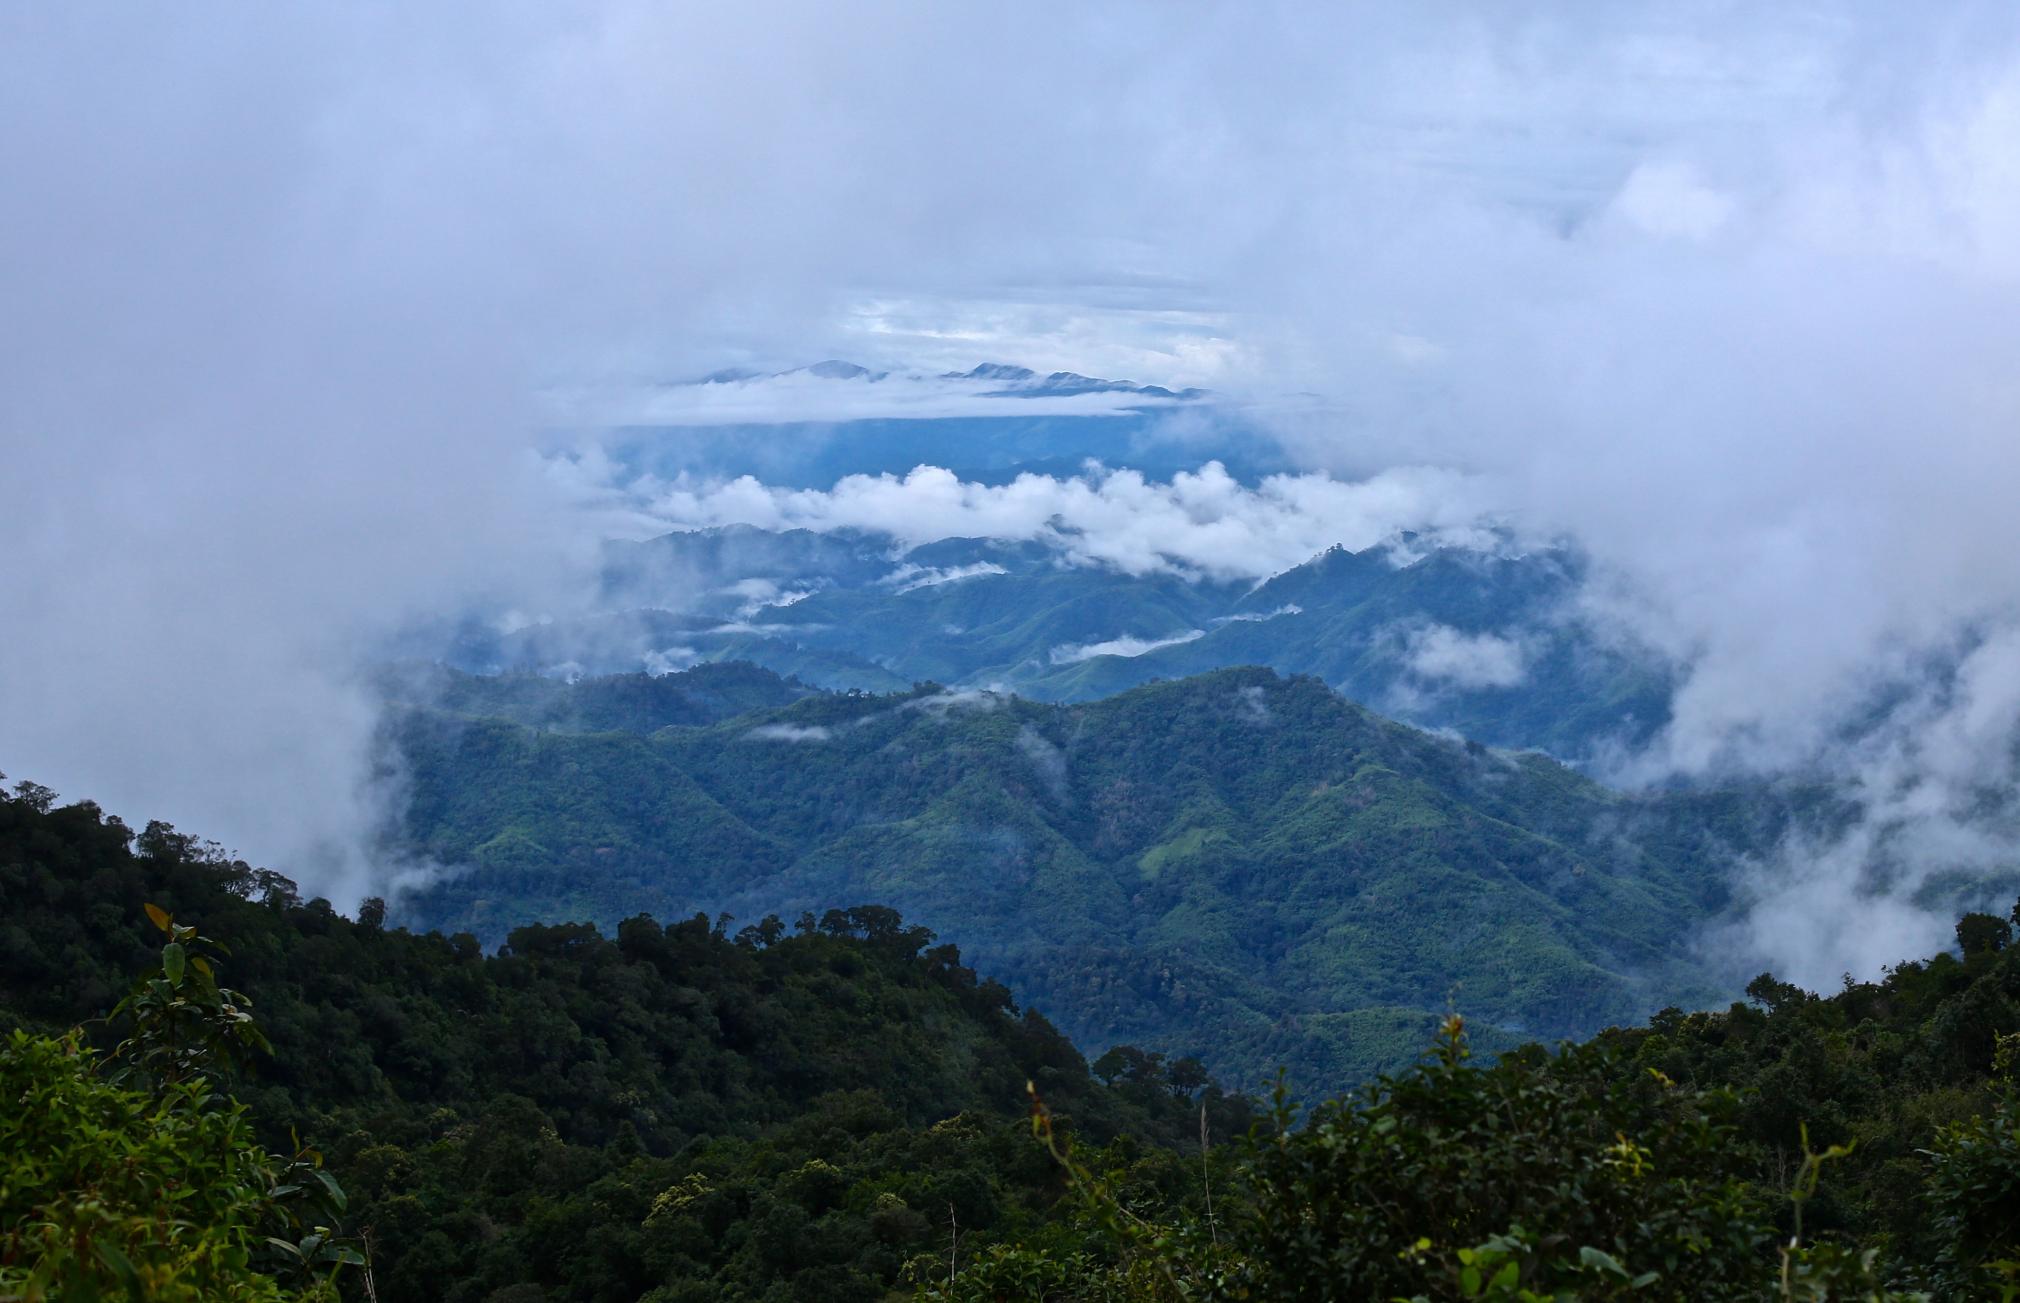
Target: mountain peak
{"points": [[834, 369], [993, 371], [729, 375], [1023, 382]]}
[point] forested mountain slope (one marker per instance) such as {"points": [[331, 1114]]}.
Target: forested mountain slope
{"points": [[674, 1110], [1238, 865], [1861, 1145], [1490, 646], [680, 1114]]}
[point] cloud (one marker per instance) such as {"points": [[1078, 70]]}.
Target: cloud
{"points": [[763, 630], [267, 375], [1672, 200], [1049, 761], [1938, 827], [761, 594], [1074, 653], [1759, 375], [1252, 617], [955, 700], [908, 578], [670, 660], [1203, 523], [791, 733], [1129, 330], [1443, 654]]}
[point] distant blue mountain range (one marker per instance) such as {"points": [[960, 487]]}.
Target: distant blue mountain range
{"points": [[1023, 382], [1485, 644], [1007, 381]]}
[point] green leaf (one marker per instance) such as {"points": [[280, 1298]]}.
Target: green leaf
{"points": [[1591, 1257], [171, 962], [118, 1264], [330, 1186]]}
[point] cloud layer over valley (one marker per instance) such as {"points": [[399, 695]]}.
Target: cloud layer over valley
{"points": [[1202, 523]]}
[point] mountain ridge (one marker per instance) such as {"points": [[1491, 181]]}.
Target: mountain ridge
{"points": [[1011, 381], [1235, 857], [1491, 644]]}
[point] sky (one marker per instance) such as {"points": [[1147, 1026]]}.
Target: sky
{"points": [[1725, 292]]}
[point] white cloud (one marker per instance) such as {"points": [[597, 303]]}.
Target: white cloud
{"points": [[954, 700], [791, 733], [908, 578], [1443, 654], [764, 630], [1204, 523], [1668, 199], [761, 594], [1074, 653], [1252, 617], [1048, 759], [669, 660]]}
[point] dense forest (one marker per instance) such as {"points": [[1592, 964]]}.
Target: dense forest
{"points": [[1243, 867], [816, 1108], [840, 1109]]}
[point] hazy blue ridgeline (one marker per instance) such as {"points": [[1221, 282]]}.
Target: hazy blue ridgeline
{"points": [[842, 611]]}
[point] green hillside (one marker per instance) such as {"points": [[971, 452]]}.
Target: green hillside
{"points": [[1863, 1145], [1241, 866], [667, 1112], [835, 1110]]}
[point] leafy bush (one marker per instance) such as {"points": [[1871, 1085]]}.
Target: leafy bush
{"points": [[146, 1180]]}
